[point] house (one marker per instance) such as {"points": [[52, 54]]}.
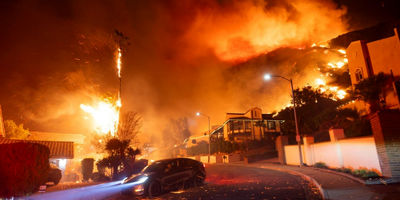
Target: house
{"points": [[251, 125], [366, 59]]}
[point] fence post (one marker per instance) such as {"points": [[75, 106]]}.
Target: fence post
{"points": [[280, 143], [308, 150], [336, 134]]}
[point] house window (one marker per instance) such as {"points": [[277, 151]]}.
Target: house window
{"points": [[236, 126], [271, 125], [359, 75], [248, 125]]}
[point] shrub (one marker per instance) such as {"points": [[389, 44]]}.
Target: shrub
{"points": [[87, 168], [320, 165], [24, 167], [364, 173], [359, 172], [344, 170], [99, 177]]}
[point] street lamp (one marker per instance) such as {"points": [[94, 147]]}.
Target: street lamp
{"points": [[209, 134], [268, 77]]}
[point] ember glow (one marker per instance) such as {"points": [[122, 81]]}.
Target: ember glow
{"points": [[105, 116], [338, 63]]}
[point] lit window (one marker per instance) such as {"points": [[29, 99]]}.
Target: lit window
{"points": [[271, 125], [359, 75]]}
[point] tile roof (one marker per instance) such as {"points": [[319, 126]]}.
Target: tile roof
{"points": [[62, 137], [58, 149]]}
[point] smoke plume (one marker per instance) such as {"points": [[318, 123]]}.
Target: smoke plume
{"points": [[183, 57]]}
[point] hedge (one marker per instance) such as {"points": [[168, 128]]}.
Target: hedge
{"points": [[24, 167]]}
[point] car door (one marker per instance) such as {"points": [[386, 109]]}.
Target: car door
{"points": [[170, 173], [175, 173]]}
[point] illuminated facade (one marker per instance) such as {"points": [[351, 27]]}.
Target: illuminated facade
{"points": [[366, 59], [251, 125]]}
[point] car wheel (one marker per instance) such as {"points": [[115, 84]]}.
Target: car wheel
{"points": [[198, 179], [188, 184], [154, 189]]}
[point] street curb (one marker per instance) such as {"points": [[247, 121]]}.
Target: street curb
{"points": [[323, 193], [343, 174], [359, 180]]}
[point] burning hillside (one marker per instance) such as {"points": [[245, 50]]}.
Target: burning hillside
{"points": [[185, 56]]}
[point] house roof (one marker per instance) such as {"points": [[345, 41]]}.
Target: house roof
{"points": [[59, 137], [58, 149], [267, 116]]}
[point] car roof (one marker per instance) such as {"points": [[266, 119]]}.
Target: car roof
{"points": [[173, 159]]}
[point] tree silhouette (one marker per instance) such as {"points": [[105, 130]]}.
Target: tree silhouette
{"points": [[373, 91]]}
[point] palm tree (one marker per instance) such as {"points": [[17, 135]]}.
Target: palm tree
{"points": [[119, 153], [373, 91]]}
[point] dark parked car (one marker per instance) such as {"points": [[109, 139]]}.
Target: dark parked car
{"points": [[54, 175], [165, 175]]}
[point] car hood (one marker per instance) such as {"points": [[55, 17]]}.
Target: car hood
{"points": [[141, 177]]}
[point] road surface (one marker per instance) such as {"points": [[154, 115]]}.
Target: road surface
{"points": [[240, 182], [229, 182]]}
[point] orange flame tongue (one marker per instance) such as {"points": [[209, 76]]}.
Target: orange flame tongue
{"points": [[105, 117], [119, 55]]}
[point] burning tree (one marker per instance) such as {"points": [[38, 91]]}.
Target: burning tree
{"points": [[129, 126]]}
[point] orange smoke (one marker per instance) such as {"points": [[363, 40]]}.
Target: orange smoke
{"points": [[252, 28]]}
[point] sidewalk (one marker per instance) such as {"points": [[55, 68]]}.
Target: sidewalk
{"points": [[334, 186]]}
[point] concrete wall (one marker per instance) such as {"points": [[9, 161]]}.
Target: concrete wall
{"points": [[204, 159], [352, 153], [292, 154]]}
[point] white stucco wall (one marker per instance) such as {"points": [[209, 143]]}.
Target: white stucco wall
{"points": [[352, 153]]}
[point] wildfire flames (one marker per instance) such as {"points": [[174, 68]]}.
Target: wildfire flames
{"points": [[262, 26], [320, 82], [105, 113], [105, 116], [119, 55]]}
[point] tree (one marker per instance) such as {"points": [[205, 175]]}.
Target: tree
{"points": [[176, 132], [128, 129], [129, 126], [119, 156], [14, 131], [373, 91], [316, 113]]}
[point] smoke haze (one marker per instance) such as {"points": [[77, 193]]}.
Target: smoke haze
{"points": [[183, 57]]}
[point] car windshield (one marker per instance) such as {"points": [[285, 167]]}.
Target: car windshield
{"points": [[154, 167]]}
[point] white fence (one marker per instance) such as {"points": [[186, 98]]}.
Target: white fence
{"points": [[352, 153]]}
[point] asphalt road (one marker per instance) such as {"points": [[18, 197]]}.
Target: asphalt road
{"points": [[239, 182]]}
